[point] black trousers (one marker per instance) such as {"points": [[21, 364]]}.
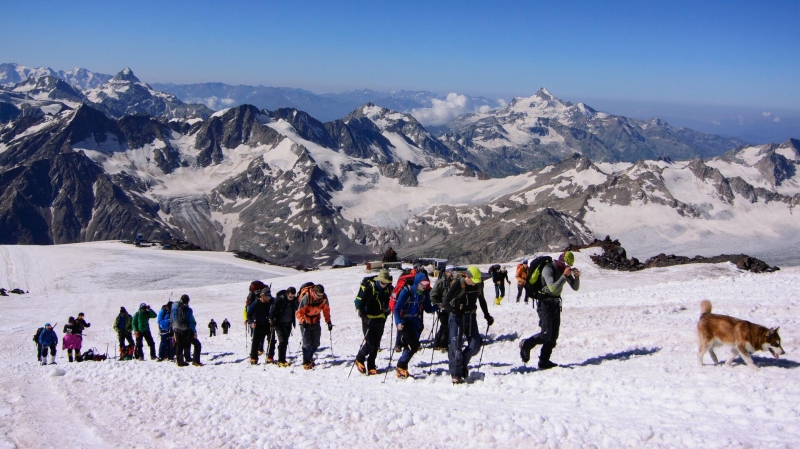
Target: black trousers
{"points": [[373, 333], [224, 331], [139, 351], [549, 310], [283, 331], [212, 333], [259, 334], [185, 339], [125, 336], [442, 338]]}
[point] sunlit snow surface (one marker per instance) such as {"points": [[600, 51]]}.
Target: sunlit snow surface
{"points": [[627, 341]]}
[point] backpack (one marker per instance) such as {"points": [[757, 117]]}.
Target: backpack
{"points": [[407, 278], [365, 284], [36, 335], [251, 295], [535, 281], [493, 268], [307, 289], [180, 321]]}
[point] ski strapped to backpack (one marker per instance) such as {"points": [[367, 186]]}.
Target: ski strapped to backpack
{"points": [[535, 280]]}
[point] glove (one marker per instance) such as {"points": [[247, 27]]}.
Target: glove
{"points": [[400, 326], [489, 320], [330, 327]]}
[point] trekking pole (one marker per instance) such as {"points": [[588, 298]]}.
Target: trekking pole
{"points": [[330, 334], [430, 336], [483, 346], [433, 351], [391, 351], [363, 341]]}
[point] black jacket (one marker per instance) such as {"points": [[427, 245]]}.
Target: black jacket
{"points": [[283, 310], [258, 312], [372, 301], [79, 325], [463, 298]]}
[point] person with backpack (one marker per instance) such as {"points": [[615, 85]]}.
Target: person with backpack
{"points": [[406, 278], [212, 328], [412, 301], [141, 331], [38, 344], [258, 319], [548, 297], [499, 278], [372, 304], [282, 315], [166, 344], [123, 326], [79, 326], [252, 296], [442, 337], [462, 302], [71, 341], [522, 277], [225, 326], [48, 340], [185, 327], [313, 303]]}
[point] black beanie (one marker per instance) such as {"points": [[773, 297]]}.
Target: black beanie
{"points": [[184, 299], [122, 310]]}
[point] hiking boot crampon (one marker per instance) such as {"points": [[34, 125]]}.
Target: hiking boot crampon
{"points": [[457, 380], [372, 372], [524, 354], [307, 366], [402, 373], [197, 364], [283, 364], [270, 360], [254, 361], [360, 367]]}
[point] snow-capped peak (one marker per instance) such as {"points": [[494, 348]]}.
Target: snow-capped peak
{"points": [[126, 75]]}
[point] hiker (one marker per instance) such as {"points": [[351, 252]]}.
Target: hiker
{"points": [[390, 255], [80, 325], [313, 302], [442, 337], [141, 331], [166, 344], [185, 328], [252, 296], [71, 341], [225, 326], [48, 340], [499, 278], [258, 319], [283, 319], [212, 328], [462, 302], [555, 275], [411, 302], [522, 278], [123, 325], [372, 304]]}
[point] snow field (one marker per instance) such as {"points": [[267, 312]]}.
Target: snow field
{"points": [[629, 376]]}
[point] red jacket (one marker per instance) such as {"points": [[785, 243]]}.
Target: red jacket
{"points": [[311, 306]]}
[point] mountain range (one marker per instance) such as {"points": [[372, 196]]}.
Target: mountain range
{"points": [[122, 158]]}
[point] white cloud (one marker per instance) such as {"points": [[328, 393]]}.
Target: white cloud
{"points": [[442, 111], [776, 119], [766, 114], [214, 102], [501, 103]]}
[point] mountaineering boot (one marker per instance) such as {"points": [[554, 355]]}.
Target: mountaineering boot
{"points": [[497, 301], [372, 372], [197, 364], [283, 364], [52, 360], [254, 361], [270, 360], [524, 354], [70, 357], [43, 361], [457, 380], [360, 367], [182, 364], [307, 366], [402, 373], [546, 364]]}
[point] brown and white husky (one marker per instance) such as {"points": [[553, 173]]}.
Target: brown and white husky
{"points": [[745, 337]]}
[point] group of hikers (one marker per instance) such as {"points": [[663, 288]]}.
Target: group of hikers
{"points": [[454, 298]]}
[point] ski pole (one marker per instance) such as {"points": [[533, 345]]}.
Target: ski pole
{"points": [[330, 334], [363, 341], [483, 346], [433, 351], [430, 336], [391, 351]]}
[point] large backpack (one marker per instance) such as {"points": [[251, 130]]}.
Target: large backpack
{"points": [[36, 335], [251, 295], [180, 322], [494, 268], [535, 280], [306, 289], [407, 278], [365, 284]]}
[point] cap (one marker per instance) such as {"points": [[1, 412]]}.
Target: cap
{"points": [[568, 258], [475, 274], [142, 305]]}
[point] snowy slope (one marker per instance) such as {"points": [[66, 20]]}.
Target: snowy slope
{"points": [[627, 342]]}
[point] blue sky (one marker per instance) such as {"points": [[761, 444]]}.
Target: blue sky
{"points": [[714, 53]]}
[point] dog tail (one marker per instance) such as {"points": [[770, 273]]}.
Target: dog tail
{"points": [[705, 306]]}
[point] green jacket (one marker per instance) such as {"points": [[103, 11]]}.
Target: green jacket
{"points": [[127, 327], [141, 320]]}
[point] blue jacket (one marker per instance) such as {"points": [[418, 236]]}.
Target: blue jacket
{"points": [[164, 323], [189, 316], [410, 304], [48, 337]]}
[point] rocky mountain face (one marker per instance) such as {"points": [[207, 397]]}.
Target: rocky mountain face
{"points": [[539, 130], [282, 185]]}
